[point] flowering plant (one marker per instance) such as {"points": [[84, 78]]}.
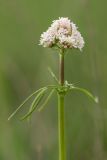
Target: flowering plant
{"points": [[61, 35]]}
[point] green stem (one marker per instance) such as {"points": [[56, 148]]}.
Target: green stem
{"points": [[61, 126]]}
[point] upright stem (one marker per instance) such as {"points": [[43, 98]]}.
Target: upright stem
{"points": [[61, 69], [61, 127]]}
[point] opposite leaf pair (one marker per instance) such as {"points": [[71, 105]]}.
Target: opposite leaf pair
{"points": [[40, 93]]}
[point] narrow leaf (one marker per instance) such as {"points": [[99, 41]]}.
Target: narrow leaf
{"points": [[46, 101], [53, 75], [25, 101], [85, 92], [34, 104]]}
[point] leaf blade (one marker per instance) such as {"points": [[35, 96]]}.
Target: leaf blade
{"points": [[34, 104], [89, 94], [24, 102], [46, 101], [53, 75]]}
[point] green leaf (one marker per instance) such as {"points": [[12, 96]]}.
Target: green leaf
{"points": [[46, 101], [35, 104], [85, 92], [25, 101], [53, 75]]}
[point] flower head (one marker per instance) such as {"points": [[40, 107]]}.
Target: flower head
{"points": [[62, 34]]}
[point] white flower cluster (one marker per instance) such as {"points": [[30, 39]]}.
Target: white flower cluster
{"points": [[62, 34]]}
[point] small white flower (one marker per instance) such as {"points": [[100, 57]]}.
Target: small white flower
{"points": [[62, 33]]}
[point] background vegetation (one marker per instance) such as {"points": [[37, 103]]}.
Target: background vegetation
{"points": [[23, 69]]}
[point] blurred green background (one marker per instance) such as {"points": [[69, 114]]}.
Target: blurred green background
{"points": [[23, 69]]}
